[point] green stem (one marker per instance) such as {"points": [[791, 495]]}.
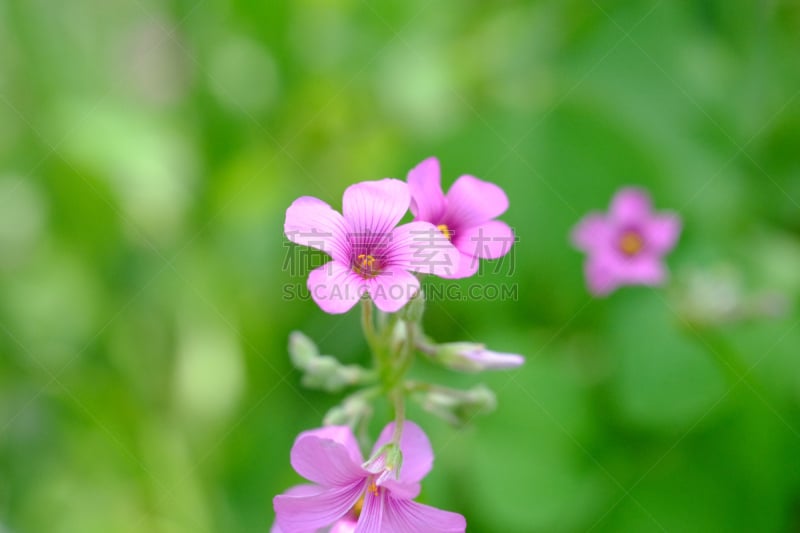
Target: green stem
{"points": [[399, 415], [422, 386], [406, 357], [368, 325], [376, 340], [392, 358]]}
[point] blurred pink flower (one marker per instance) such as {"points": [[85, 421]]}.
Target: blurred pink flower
{"points": [[348, 492], [465, 214], [626, 245], [370, 254]]}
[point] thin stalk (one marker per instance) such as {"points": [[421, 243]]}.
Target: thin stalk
{"points": [[406, 357], [399, 415], [368, 324]]}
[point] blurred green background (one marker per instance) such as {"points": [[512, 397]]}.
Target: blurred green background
{"points": [[148, 150]]}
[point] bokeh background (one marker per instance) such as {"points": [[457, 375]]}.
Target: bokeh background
{"points": [[148, 150]]}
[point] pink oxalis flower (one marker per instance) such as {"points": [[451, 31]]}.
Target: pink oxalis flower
{"points": [[626, 246], [351, 495], [465, 214], [371, 254]]}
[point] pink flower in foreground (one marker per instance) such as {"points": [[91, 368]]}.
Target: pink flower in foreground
{"points": [[349, 492], [626, 246], [370, 255], [465, 214]]}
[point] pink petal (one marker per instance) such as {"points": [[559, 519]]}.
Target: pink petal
{"points": [[341, 434], [630, 205], [591, 233], [325, 461], [399, 489], [471, 202], [644, 270], [606, 272], [312, 222], [297, 490], [416, 449], [392, 289], [601, 277], [406, 516], [308, 512], [420, 247], [371, 518], [490, 240], [335, 287], [345, 525], [467, 267], [662, 232], [375, 207], [427, 198]]}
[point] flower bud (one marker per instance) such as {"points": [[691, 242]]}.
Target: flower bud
{"points": [[458, 407], [321, 371], [473, 357], [349, 413], [415, 308], [399, 335], [302, 350], [328, 374]]}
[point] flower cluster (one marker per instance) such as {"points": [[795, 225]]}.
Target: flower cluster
{"points": [[373, 255], [376, 260]]}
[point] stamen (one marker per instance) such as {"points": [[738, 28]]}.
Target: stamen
{"points": [[366, 260], [446, 231], [365, 266]]}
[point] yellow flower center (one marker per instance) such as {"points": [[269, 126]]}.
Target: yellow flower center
{"points": [[446, 231], [364, 266], [631, 243]]}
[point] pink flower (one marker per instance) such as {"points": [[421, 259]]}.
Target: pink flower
{"points": [[465, 215], [347, 491], [370, 255], [626, 246]]}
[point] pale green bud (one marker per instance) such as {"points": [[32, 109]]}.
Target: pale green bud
{"points": [[458, 407], [399, 335], [302, 350], [349, 413], [328, 374], [415, 308], [321, 371]]}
